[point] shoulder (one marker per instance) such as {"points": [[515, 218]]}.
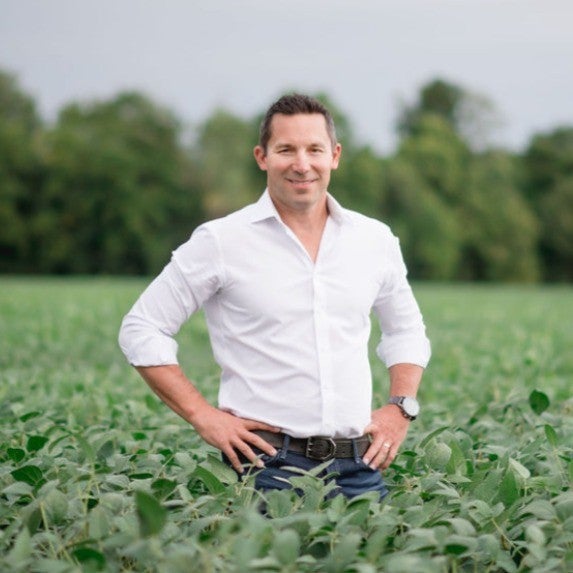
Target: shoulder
{"points": [[372, 237], [233, 221], [218, 236], [357, 222], [363, 224]]}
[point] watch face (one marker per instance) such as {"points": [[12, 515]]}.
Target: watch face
{"points": [[411, 406]]}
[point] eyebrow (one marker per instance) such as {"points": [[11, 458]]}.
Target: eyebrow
{"points": [[285, 145]]}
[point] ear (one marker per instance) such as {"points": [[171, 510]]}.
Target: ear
{"points": [[336, 156], [260, 157]]}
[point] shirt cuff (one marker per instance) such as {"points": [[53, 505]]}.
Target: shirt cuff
{"points": [[148, 349], [404, 350]]}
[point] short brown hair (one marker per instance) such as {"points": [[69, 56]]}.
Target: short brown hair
{"points": [[293, 104]]}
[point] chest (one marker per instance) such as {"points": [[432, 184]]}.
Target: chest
{"points": [[276, 277]]}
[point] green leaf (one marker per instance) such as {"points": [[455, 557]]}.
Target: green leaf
{"points": [[343, 554], [404, 563], [564, 507], [521, 470], [86, 448], [454, 549], [221, 470], [151, 514], [551, 435], [91, 558], [457, 461], [438, 455], [56, 504], [105, 451], [534, 534], [36, 443], [34, 521], [162, 487], [508, 490], [152, 403], [487, 487], [286, 546], [16, 454], [212, 483], [30, 474], [538, 401], [433, 434], [541, 509], [462, 526], [279, 502], [22, 548], [29, 416], [98, 523]]}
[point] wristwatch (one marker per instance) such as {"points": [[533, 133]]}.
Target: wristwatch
{"points": [[409, 406]]}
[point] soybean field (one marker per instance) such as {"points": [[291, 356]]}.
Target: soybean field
{"points": [[96, 474]]}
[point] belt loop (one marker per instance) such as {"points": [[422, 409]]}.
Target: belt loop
{"points": [[355, 451], [286, 443]]}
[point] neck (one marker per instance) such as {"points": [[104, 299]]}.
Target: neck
{"points": [[307, 224], [309, 219]]}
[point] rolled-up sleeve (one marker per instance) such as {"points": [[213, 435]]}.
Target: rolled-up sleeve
{"points": [[147, 332], [404, 337]]}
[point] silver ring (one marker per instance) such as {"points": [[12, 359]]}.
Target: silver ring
{"points": [[386, 444]]}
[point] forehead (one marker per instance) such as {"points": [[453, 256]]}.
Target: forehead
{"points": [[299, 128]]}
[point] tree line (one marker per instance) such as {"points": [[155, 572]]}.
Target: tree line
{"points": [[111, 187]]}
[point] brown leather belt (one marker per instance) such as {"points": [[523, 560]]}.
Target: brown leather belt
{"points": [[318, 448]]}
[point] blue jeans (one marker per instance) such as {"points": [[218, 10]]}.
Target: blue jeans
{"points": [[351, 475]]}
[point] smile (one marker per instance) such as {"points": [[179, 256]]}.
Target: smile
{"points": [[300, 181]]}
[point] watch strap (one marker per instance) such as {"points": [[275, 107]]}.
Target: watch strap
{"points": [[399, 401]]}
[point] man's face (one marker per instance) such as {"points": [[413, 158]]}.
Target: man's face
{"points": [[298, 160]]}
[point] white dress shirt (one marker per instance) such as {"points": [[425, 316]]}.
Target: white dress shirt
{"points": [[290, 335]]}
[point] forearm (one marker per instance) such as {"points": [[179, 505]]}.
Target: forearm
{"points": [[405, 379], [220, 429], [175, 389]]}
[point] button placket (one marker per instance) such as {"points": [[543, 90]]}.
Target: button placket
{"points": [[324, 352]]}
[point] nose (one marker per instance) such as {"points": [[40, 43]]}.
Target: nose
{"points": [[301, 163]]}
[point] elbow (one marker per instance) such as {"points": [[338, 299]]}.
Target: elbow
{"points": [[125, 338], [130, 341], [405, 348]]}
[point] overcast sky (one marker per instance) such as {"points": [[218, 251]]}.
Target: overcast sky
{"points": [[367, 55]]}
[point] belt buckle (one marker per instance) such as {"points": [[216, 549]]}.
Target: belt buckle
{"points": [[315, 445]]}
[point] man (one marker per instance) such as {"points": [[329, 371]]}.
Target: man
{"points": [[288, 285]]}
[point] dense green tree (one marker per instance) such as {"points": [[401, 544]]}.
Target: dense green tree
{"points": [[497, 230], [501, 230], [20, 173], [116, 200], [548, 158], [111, 186], [224, 158], [556, 216], [427, 226], [471, 115], [358, 182], [548, 185], [439, 156]]}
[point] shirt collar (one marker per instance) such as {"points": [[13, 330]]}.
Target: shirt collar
{"points": [[264, 208]]}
